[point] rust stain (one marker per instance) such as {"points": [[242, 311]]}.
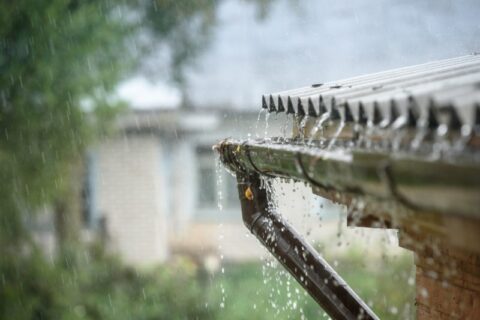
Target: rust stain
{"points": [[249, 194]]}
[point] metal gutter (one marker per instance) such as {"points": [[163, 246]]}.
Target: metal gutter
{"points": [[404, 179]]}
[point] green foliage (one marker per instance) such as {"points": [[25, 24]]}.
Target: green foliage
{"points": [[96, 286], [53, 56], [92, 285], [386, 284], [269, 292]]}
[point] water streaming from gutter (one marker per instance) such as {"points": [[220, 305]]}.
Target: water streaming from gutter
{"points": [[333, 140], [221, 233], [318, 129], [257, 135]]}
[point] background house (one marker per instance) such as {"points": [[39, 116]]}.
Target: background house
{"points": [[156, 189]]}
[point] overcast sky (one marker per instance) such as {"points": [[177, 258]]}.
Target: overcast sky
{"points": [[314, 41]]}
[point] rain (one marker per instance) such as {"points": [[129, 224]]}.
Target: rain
{"points": [[234, 159]]}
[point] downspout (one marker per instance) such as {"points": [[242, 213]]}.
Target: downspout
{"points": [[330, 291]]}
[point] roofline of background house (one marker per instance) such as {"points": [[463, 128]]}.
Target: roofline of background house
{"points": [[176, 120]]}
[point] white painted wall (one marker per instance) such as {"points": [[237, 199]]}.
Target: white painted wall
{"points": [[130, 194]]}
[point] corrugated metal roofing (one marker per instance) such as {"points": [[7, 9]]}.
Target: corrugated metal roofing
{"points": [[441, 91]]}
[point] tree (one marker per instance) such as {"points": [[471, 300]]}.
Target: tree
{"points": [[59, 62], [54, 54]]}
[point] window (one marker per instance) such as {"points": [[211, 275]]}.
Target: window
{"points": [[206, 187], [215, 188]]}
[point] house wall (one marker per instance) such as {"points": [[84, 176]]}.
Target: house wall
{"points": [[130, 194], [184, 189]]}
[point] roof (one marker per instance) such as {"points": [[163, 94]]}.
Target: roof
{"points": [[427, 93], [408, 135], [179, 120]]}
